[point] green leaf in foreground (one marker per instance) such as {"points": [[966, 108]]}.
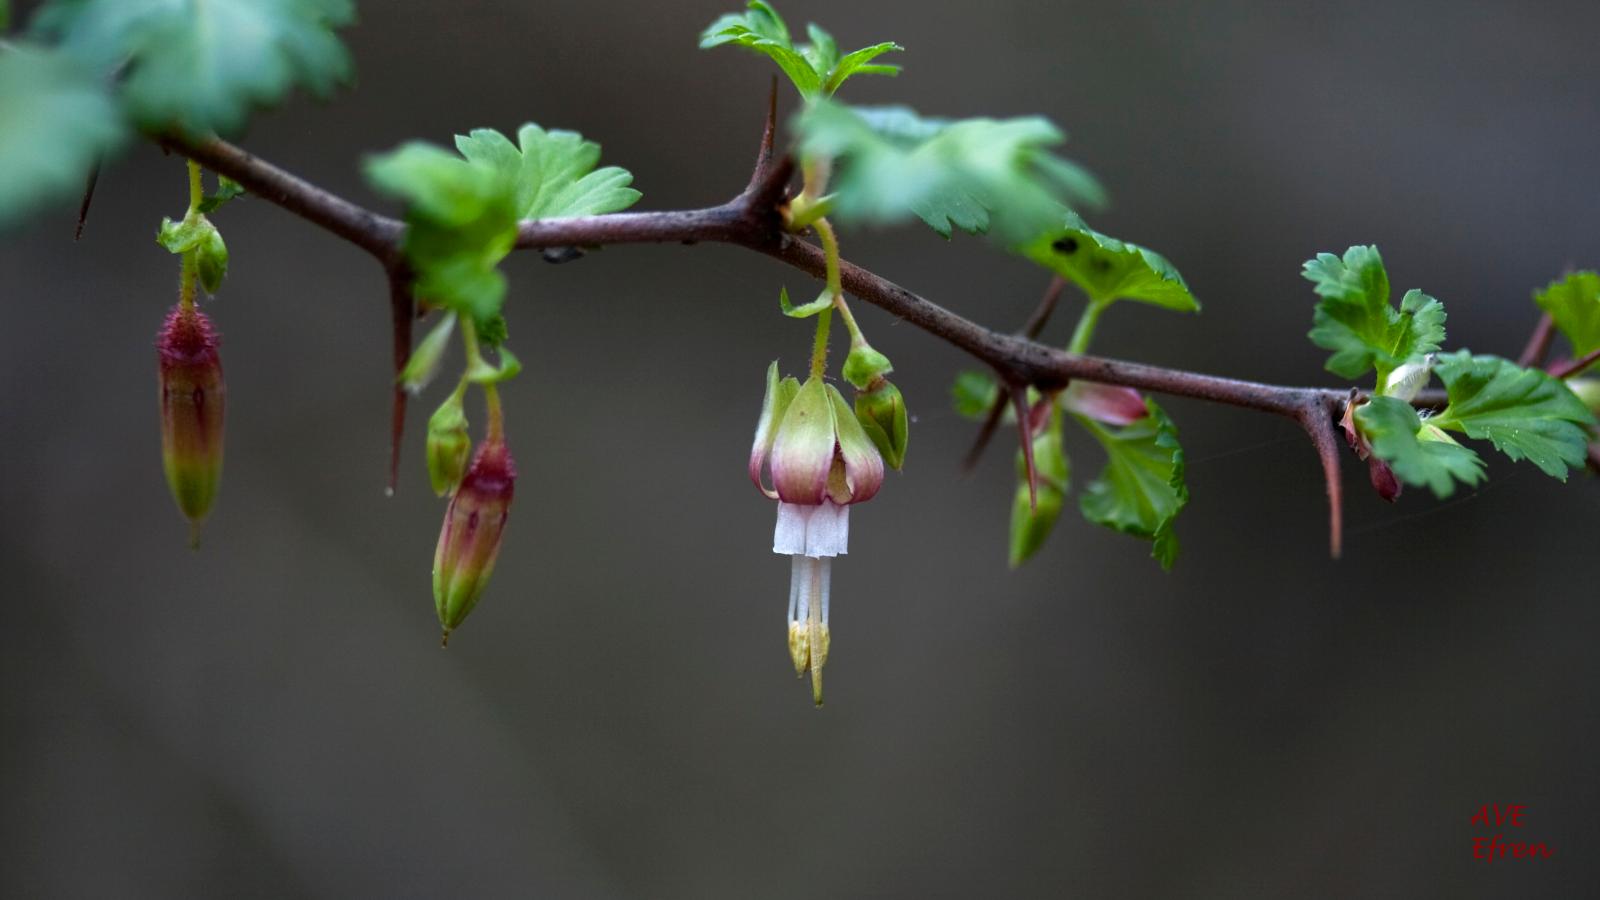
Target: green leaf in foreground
{"points": [[816, 69], [463, 209], [1418, 454], [1356, 321], [1525, 413], [56, 122], [994, 176], [203, 66], [1574, 304], [1142, 489], [461, 224], [1109, 269]]}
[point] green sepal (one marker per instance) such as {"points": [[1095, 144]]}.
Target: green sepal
{"points": [[186, 234], [1108, 269], [1142, 489], [882, 414], [824, 301], [1033, 517], [1418, 454], [482, 372], [423, 364], [865, 365], [449, 445]]}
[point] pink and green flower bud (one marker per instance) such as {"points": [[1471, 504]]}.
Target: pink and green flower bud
{"points": [[882, 414], [780, 392], [193, 397], [449, 445], [1106, 403], [469, 542]]}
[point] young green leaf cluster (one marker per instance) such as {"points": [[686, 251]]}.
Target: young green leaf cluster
{"points": [[817, 69], [1523, 413]]}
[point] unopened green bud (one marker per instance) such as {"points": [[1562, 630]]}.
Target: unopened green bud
{"points": [[865, 365], [882, 414], [448, 445], [1032, 522]]}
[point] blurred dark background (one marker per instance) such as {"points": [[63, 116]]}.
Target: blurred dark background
{"points": [[272, 716]]}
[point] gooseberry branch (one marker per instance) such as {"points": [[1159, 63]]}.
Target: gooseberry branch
{"points": [[753, 220]]}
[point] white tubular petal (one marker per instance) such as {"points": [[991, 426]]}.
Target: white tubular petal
{"points": [[828, 532], [803, 569], [789, 537], [827, 576], [796, 578]]}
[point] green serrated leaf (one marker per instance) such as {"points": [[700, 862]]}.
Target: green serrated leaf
{"points": [[1413, 451], [974, 393], [1356, 321], [816, 69], [1574, 304], [1142, 489], [976, 175], [553, 172], [212, 258], [824, 301], [57, 120], [227, 189], [1108, 269], [203, 67], [1525, 413]]}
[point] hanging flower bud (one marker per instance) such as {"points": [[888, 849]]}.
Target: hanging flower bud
{"points": [[1378, 472], [192, 400], [448, 445], [1106, 403], [470, 538], [821, 461], [882, 414]]}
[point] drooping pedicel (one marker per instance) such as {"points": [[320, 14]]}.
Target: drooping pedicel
{"points": [[193, 397]]}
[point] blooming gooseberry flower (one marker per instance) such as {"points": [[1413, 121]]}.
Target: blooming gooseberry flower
{"points": [[469, 542], [193, 397], [821, 462]]}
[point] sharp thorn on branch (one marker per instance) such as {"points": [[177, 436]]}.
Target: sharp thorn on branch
{"points": [[1030, 330], [1019, 402], [1317, 417]]}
